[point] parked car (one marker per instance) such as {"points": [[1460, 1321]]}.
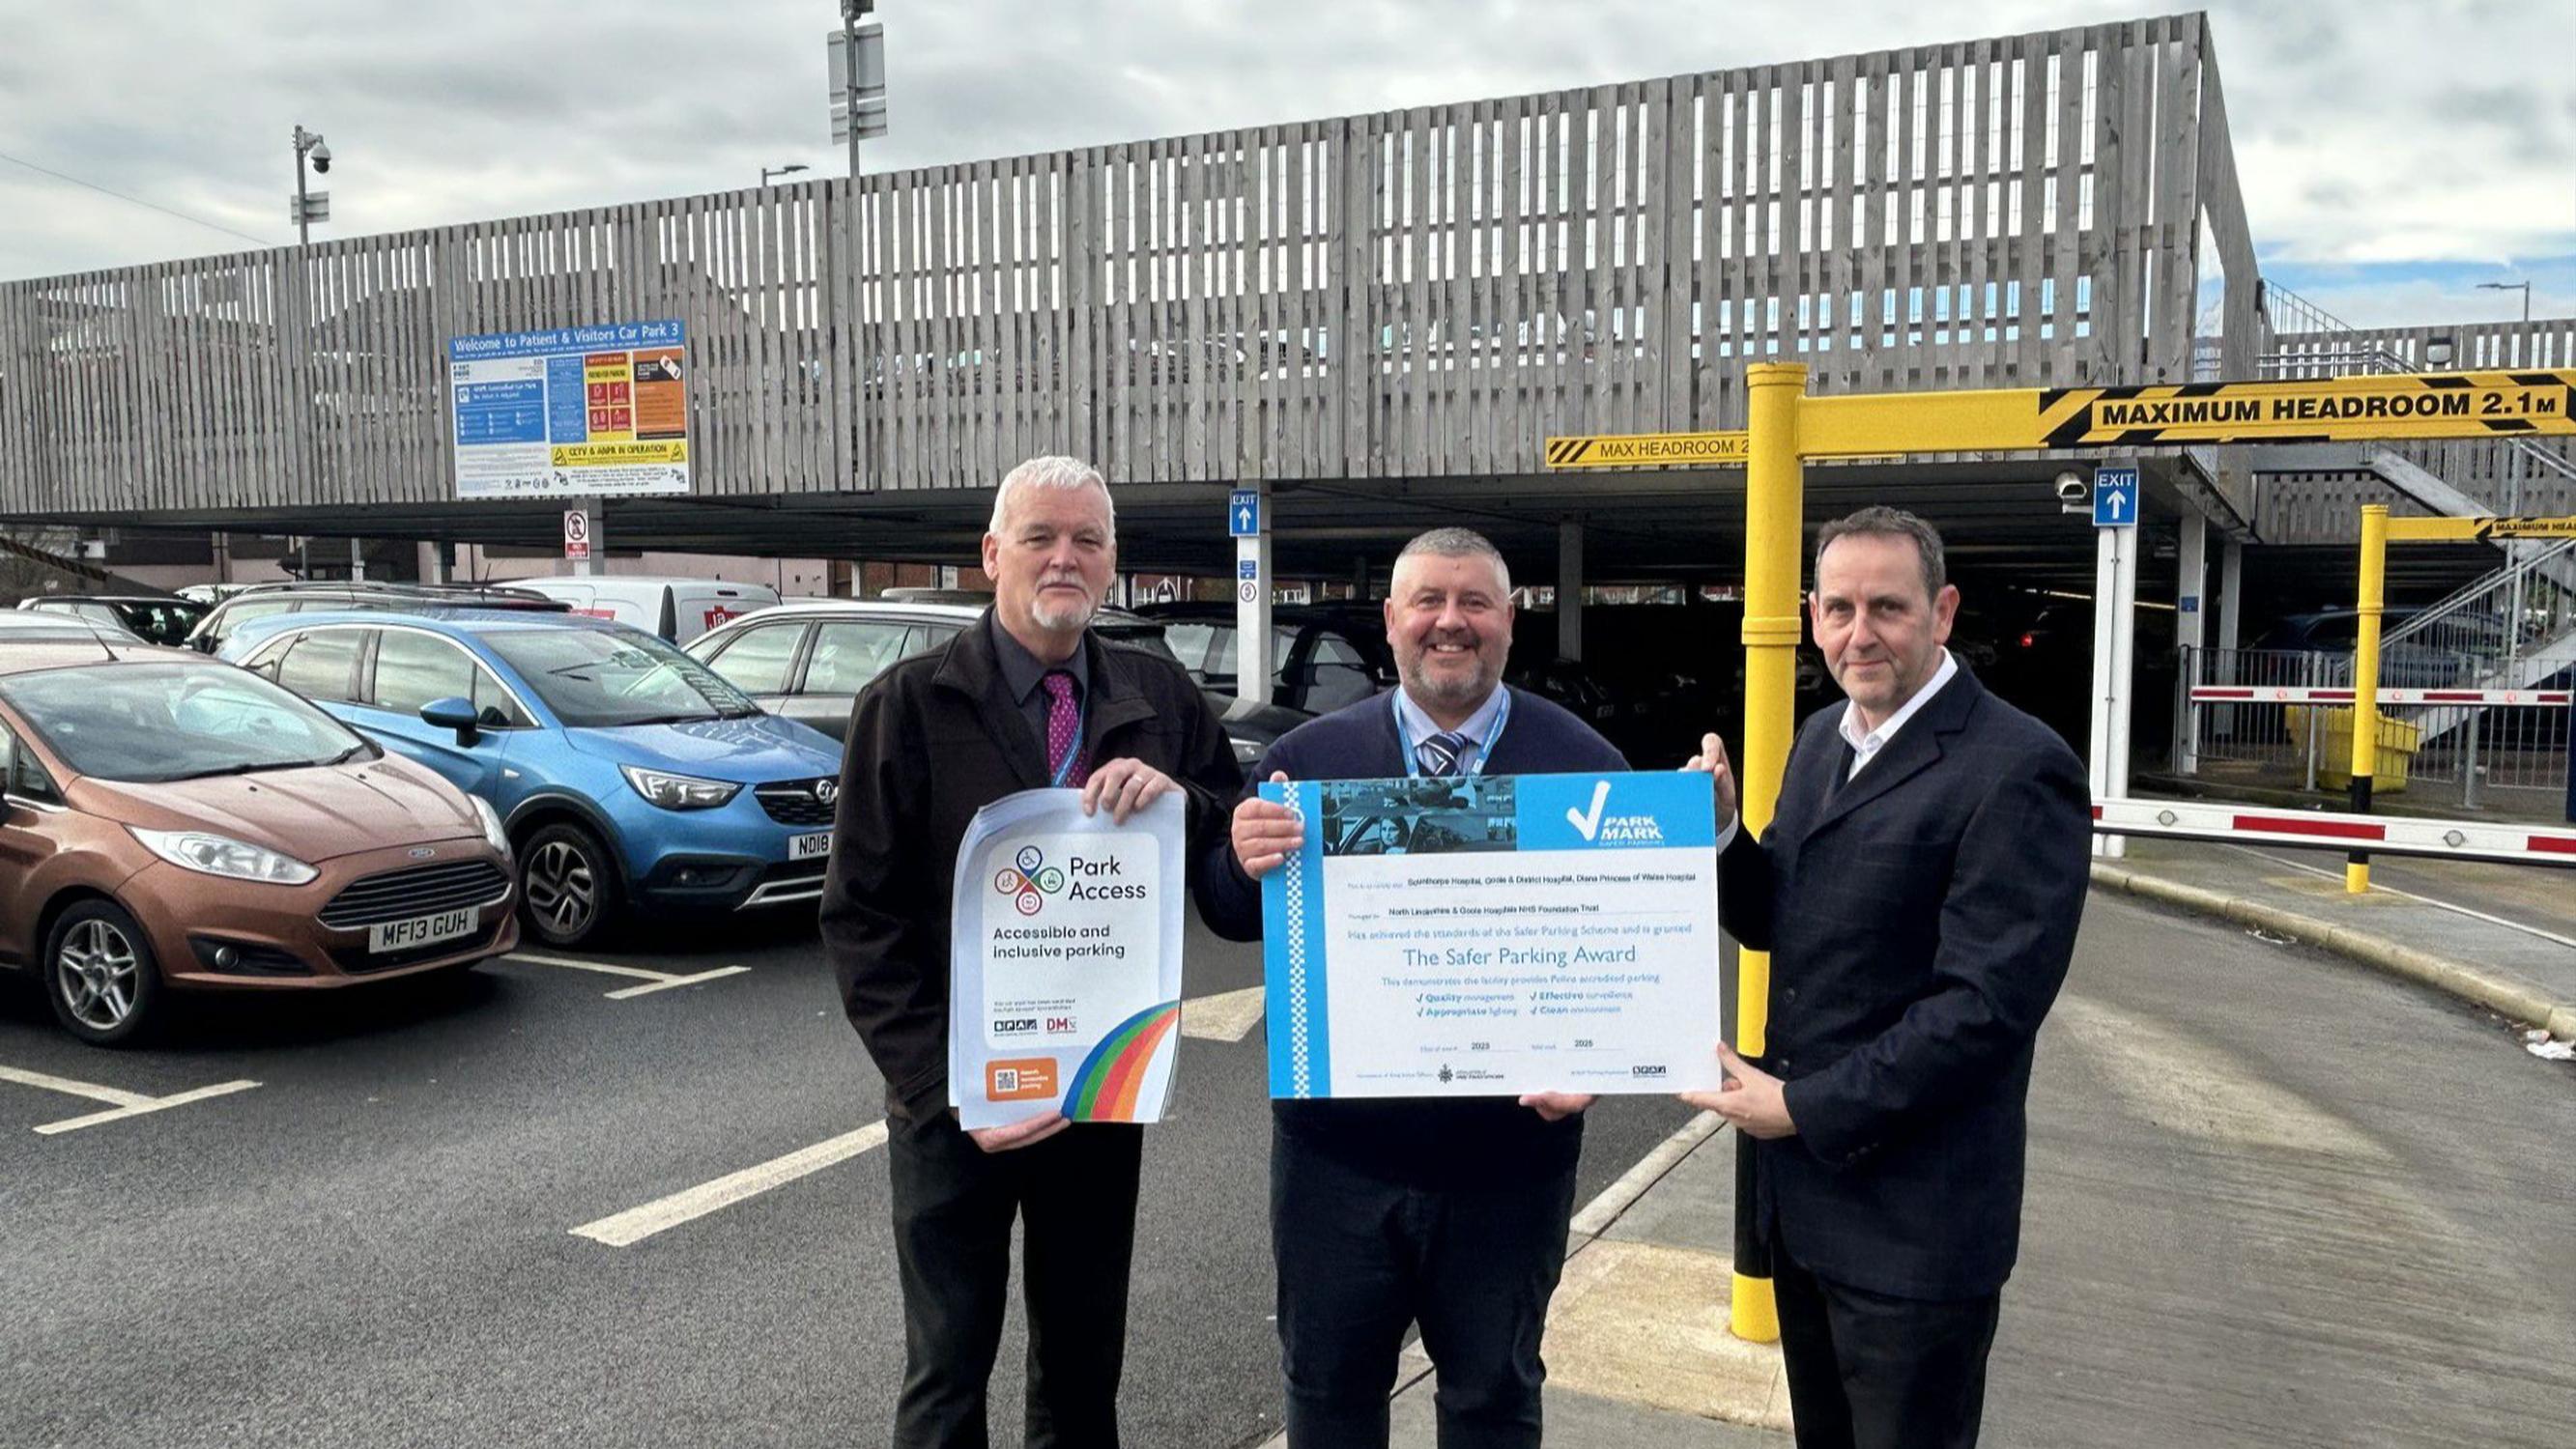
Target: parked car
{"points": [[156, 619], [624, 770], [210, 594], [173, 824], [677, 609], [266, 601], [808, 659], [47, 627]]}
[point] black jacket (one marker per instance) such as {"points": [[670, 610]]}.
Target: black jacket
{"points": [[1421, 1142], [1920, 922], [932, 740]]}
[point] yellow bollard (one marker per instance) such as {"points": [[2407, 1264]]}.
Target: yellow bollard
{"points": [[1774, 530], [2365, 679]]}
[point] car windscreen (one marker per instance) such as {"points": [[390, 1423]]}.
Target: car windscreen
{"points": [[1148, 637], [146, 723], [604, 678], [161, 621]]}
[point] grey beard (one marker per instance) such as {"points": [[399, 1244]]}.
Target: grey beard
{"points": [[1058, 620], [1453, 696]]}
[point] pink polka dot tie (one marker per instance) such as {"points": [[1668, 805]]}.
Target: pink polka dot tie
{"points": [[1064, 731]]}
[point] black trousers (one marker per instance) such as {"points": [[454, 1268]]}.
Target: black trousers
{"points": [[1867, 1371], [1075, 1196], [1361, 1259]]}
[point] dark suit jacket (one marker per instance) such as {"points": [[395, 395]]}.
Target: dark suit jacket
{"points": [[1920, 922], [934, 739]]}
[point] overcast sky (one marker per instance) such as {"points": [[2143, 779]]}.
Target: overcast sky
{"points": [[2394, 153]]}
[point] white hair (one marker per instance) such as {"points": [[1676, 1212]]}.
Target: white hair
{"points": [[1459, 543], [1051, 471]]}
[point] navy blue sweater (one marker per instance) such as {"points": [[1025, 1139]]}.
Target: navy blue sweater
{"points": [[1423, 1142]]}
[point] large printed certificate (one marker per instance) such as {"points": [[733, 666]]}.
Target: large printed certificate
{"points": [[1064, 981], [1485, 935]]}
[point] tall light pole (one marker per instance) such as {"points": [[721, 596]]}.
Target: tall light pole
{"points": [[310, 208], [768, 171], [2523, 286], [858, 78]]}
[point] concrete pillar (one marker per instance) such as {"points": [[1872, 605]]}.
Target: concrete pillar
{"points": [[592, 565], [433, 563], [1360, 577], [2231, 576], [357, 559], [1569, 589], [2115, 617]]}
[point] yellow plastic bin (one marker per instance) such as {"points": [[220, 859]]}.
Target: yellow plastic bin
{"points": [[2398, 742]]}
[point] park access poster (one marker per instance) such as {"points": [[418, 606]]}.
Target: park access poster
{"points": [[571, 412], [1064, 984]]}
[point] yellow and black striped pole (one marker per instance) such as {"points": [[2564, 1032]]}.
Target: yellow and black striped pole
{"points": [[2365, 680]]}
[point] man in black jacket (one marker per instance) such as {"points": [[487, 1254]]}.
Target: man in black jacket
{"points": [[1919, 890], [1027, 698], [1383, 1213]]}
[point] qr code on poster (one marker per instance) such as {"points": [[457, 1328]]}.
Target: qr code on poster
{"points": [[1005, 1079]]}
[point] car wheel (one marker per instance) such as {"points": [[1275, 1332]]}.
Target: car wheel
{"points": [[100, 975], [567, 886]]}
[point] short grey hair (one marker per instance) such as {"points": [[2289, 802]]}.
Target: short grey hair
{"points": [[1051, 471], [1459, 543], [1880, 521]]}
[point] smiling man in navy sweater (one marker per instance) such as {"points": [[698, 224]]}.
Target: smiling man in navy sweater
{"points": [[1384, 1213]]}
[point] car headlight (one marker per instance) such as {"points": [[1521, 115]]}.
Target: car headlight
{"points": [[679, 792], [1245, 751], [492, 830], [221, 855]]}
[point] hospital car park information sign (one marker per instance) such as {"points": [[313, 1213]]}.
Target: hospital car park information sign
{"points": [[571, 412]]}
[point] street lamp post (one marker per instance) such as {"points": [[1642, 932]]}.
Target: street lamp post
{"points": [[2523, 286], [767, 172]]}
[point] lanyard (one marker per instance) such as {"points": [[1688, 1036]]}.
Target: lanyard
{"points": [[1081, 715], [1484, 750]]}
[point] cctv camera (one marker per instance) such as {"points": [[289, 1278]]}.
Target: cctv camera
{"points": [[321, 157], [2072, 488]]}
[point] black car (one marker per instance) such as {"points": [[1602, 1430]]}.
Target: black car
{"points": [[264, 600], [807, 659], [155, 618]]}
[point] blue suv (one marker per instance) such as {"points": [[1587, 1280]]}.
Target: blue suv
{"points": [[624, 770]]}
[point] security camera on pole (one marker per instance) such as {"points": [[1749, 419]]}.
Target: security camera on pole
{"points": [[307, 207], [2116, 495]]}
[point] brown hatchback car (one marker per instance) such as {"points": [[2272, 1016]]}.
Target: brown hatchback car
{"points": [[170, 823]]}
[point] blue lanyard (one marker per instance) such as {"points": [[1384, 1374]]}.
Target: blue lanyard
{"points": [[1081, 714], [1484, 749]]}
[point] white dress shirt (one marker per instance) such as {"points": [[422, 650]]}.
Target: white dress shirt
{"points": [[1865, 747]]}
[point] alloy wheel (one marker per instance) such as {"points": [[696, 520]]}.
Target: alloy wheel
{"points": [[98, 972], [561, 889]]}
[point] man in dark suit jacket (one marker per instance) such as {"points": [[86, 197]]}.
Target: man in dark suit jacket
{"points": [[1388, 1212], [1919, 890], [1028, 697]]}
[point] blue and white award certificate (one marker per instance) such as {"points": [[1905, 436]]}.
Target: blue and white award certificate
{"points": [[1490, 935], [1064, 981]]}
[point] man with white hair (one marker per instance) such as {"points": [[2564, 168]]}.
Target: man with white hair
{"points": [[1384, 1213], [1028, 698]]}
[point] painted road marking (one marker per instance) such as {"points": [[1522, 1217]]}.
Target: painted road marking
{"points": [[1225, 1016], [654, 980], [2378, 889], [121, 1104], [626, 1229]]}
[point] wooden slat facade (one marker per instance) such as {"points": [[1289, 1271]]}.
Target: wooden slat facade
{"points": [[1417, 293]]}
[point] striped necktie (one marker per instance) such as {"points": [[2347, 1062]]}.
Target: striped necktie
{"points": [[1441, 752]]}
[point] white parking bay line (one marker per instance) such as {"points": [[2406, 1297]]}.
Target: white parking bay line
{"points": [[1225, 1016], [634, 1225], [653, 980], [121, 1104]]}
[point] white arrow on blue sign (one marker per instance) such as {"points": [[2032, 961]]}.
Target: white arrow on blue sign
{"points": [[1243, 513], [2115, 498]]}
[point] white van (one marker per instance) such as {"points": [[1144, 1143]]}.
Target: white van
{"points": [[677, 609]]}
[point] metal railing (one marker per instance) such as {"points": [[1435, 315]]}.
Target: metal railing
{"points": [[2489, 754]]}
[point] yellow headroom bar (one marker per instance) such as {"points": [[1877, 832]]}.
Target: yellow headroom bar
{"points": [[2469, 530], [1660, 450], [2388, 406]]}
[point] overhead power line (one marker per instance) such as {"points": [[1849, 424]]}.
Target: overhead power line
{"points": [[135, 200]]}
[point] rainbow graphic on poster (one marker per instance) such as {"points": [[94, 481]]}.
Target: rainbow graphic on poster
{"points": [[1113, 1076]]}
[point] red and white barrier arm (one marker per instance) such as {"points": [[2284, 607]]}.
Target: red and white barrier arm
{"points": [[2301, 694], [2326, 830]]}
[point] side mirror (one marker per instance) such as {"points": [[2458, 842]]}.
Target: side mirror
{"points": [[452, 713]]}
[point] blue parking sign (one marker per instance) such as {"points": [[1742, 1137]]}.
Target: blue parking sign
{"points": [[2115, 498]]}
